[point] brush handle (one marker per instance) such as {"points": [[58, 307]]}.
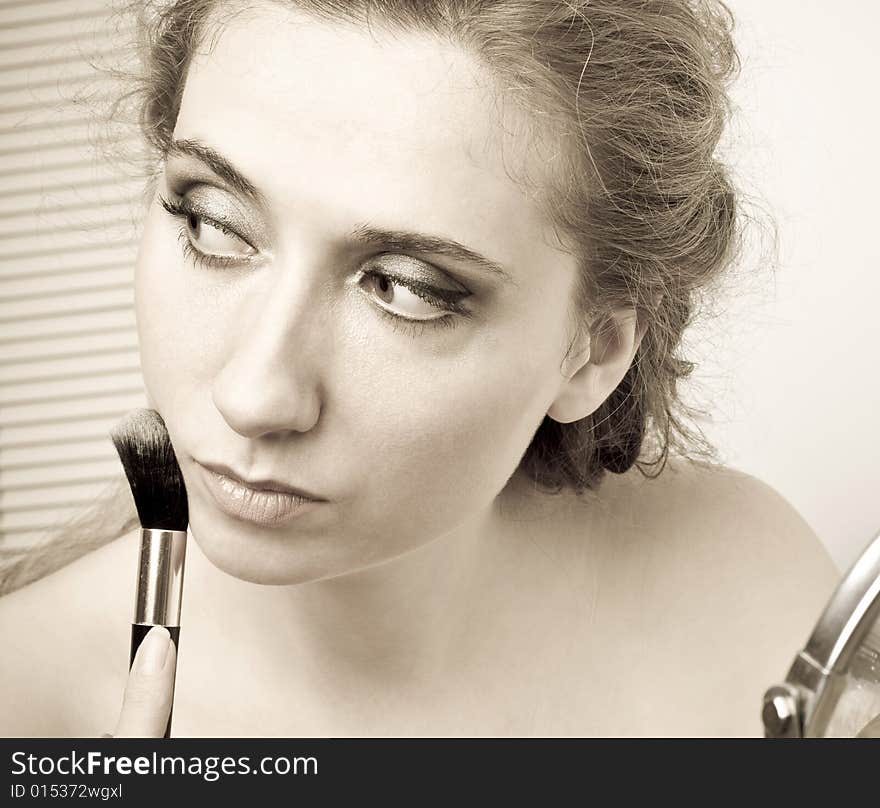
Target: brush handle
{"points": [[138, 632]]}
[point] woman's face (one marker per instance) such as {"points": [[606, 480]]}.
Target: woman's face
{"points": [[347, 347]]}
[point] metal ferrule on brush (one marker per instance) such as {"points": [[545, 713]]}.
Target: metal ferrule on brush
{"points": [[160, 577]]}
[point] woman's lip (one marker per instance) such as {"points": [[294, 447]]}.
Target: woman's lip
{"points": [[267, 508], [262, 485]]}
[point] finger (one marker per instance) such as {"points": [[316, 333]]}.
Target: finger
{"points": [[148, 692], [871, 729]]}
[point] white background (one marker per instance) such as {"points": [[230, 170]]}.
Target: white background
{"points": [[789, 366]]}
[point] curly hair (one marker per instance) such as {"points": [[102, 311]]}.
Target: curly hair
{"points": [[633, 96]]}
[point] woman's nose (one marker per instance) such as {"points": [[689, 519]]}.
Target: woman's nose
{"points": [[270, 381]]}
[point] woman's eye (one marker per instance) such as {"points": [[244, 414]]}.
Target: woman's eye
{"points": [[404, 299], [408, 302], [405, 291], [206, 239]]}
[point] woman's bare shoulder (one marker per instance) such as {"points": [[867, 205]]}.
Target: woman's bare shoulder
{"points": [[724, 583], [714, 512], [66, 637], [694, 507]]}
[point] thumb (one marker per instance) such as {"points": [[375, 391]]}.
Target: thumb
{"points": [[150, 687]]}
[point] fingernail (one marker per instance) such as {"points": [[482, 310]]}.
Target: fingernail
{"points": [[153, 651]]}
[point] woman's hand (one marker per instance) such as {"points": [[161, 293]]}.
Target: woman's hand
{"points": [[150, 687]]}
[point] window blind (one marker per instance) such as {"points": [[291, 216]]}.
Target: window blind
{"points": [[68, 238]]}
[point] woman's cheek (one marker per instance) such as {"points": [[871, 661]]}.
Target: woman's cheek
{"points": [[446, 449], [178, 324]]}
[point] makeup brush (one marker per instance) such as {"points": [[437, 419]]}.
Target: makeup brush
{"points": [[159, 492]]}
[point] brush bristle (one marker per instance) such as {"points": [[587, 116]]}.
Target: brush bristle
{"points": [[150, 464]]}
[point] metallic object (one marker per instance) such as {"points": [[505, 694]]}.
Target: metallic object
{"points": [[833, 686], [160, 577]]}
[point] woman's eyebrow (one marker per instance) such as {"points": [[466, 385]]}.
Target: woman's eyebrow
{"points": [[404, 241], [400, 240], [218, 164]]}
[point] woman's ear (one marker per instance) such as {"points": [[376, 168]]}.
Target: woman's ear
{"points": [[590, 373]]}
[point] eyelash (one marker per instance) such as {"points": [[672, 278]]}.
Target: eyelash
{"points": [[183, 210]]}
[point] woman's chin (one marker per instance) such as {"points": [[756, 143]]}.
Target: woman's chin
{"points": [[258, 556], [287, 556]]}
